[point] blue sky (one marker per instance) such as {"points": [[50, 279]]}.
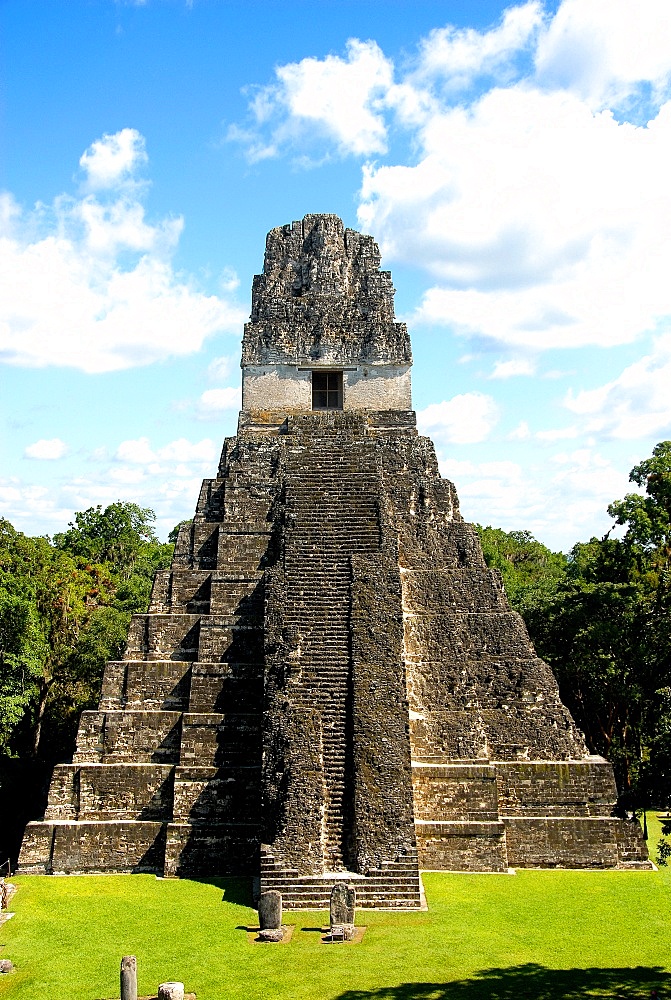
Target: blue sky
{"points": [[512, 162]]}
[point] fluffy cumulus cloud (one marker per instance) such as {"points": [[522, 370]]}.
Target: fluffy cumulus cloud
{"points": [[543, 224], [560, 500], [607, 50], [215, 401], [635, 404], [458, 56], [181, 451], [88, 281], [114, 159], [165, 477], [46, 449], [464, 419], [341, 98], [512, 368]]}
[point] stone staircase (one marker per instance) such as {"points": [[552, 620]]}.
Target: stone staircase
{"points": [[332, 512], [394, 885]]}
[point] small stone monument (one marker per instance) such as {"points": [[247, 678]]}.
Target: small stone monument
{"points": [[171, 991], [128, 976], [343, 905], [7, 890], [270, 916]]}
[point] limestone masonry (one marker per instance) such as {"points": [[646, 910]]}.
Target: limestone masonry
{"points": [[329, 683]]}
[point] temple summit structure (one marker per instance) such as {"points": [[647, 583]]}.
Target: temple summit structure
{"points": [[329, 682]]}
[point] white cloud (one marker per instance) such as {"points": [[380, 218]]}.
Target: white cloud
{"points": [[339, 97], [214, 401], [88, 283], [165, 478], [635, 404], [46, 449], [521, 432], [459, 54], [498, 493], [557, 434], [464, 419], [604, 49], [220, 368], [512, 368], [584, 474], [127, 475], [532, 244], [140, 452], [560, 501], [112, 160], [182, 450]]}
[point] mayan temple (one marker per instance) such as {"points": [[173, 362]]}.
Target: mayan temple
{"points": [[329, 682]]}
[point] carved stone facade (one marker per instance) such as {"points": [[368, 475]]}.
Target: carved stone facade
{"points": [[329, 680]]}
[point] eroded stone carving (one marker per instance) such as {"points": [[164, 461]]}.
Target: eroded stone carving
{"points": [[341, 913], [128, 977], [270, 916]]}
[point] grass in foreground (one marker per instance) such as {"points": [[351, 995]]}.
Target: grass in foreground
{"points": [[537, 934]]}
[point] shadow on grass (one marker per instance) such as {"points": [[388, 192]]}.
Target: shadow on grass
{"points": [[235, 890], [532, 982]]}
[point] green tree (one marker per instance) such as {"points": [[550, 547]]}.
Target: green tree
{"points": [[592, 634], [115, 535], [530, 571], [606, 633], [65, 608], [22, 651]]}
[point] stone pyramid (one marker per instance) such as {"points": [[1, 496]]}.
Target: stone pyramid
{"points": [[329, 682]]}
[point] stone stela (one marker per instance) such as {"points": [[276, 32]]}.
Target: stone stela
{"points": [[270, 916], [341, 913], [329, 680], [128, 977]]}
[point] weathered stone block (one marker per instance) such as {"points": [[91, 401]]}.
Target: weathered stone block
{"points": [[562, 842], [226, 687], [161, 685], [129, 737], [219, 795], [212, 849], [117, 846], [453, 792], [270, 910], [171, 991], [457, 846], [343, 904], [128, 977]]}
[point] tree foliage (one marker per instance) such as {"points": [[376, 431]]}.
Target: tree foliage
{"points": [[65, 607], [531, 572], [601, 617]]}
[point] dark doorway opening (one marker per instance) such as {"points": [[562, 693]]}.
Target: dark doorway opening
{"points": [[327, 391]]}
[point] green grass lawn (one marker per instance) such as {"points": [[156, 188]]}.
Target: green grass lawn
{"points": [[536, 934]]}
